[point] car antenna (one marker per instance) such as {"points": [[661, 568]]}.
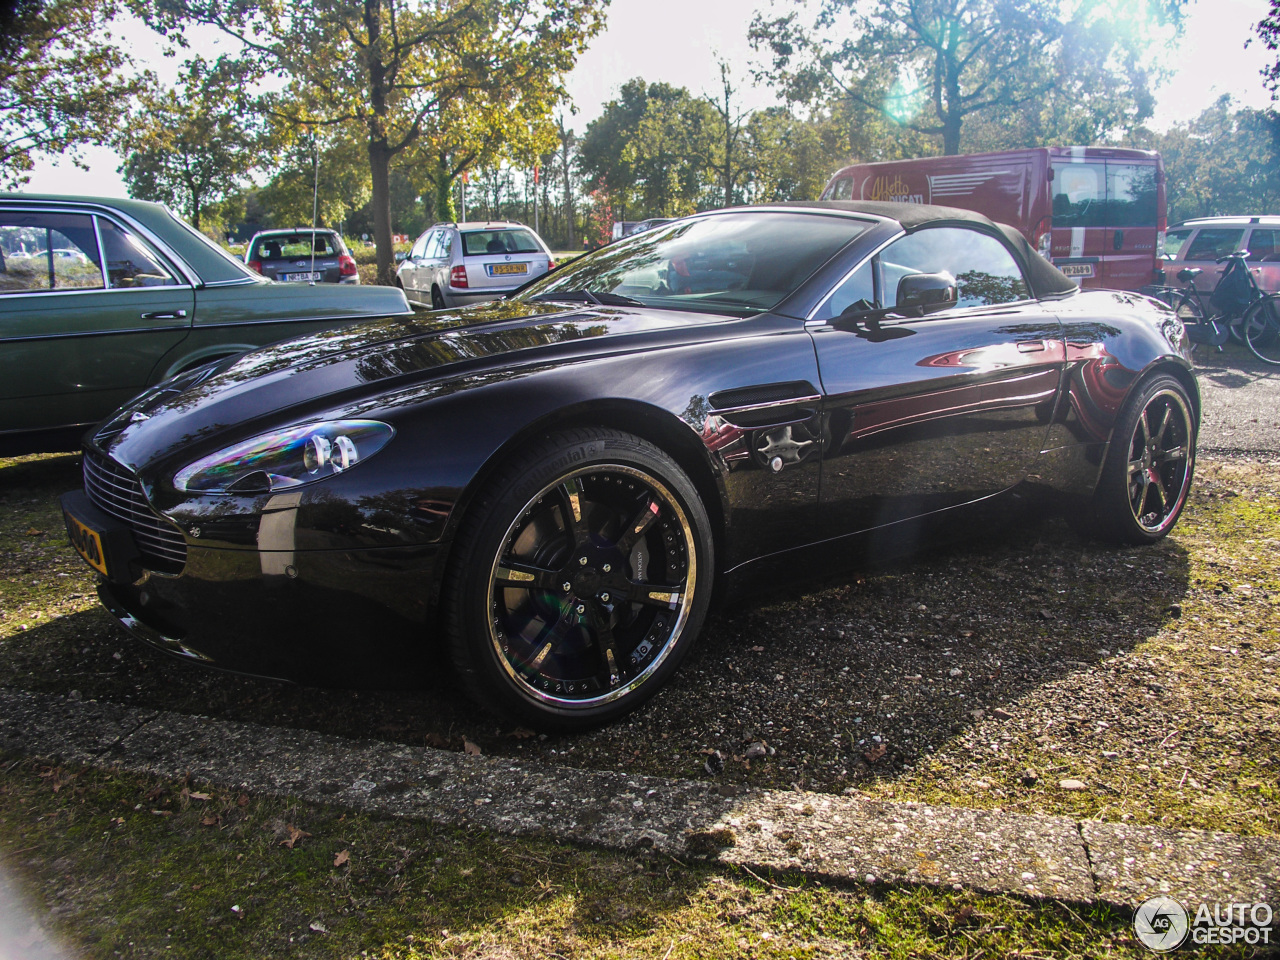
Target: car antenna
{"points": [[315, 206]]}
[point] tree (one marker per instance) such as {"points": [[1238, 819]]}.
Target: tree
{"points": [[728, 158], [931, 66], [392, 68], [318, 173], [1268, 30], [189, 147], [62, 84]]}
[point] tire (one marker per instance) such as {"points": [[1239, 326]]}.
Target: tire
{"points": [[575, 522], [437, 299], [1147, 473], [1261, 324], [1211, 331]]}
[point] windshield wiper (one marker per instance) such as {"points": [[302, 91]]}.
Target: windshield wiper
{"points": [[600, 298]]}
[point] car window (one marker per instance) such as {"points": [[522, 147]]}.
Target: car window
{"points": [[1212, 243], [129, 262], [48, 251], [1131, 195], [294, 245], [860, 286], [446, 243], [419, 250], [1263, 245], [738, 263], [986, 272], [1174, 241], [433, 245], [1079, 194], [479, 243]]}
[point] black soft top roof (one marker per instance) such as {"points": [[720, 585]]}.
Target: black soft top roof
{"points": [[1046, 280]]}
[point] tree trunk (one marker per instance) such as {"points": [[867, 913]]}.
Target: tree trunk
{"points": [[951, 135], [445, 211], [380, 206]]}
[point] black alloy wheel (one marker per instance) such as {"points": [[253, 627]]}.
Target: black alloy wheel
{"points": [[580, 581], [1147, 474]]}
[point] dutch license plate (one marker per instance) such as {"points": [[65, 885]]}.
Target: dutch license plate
{"points": [[88, 543], [305, 277], [502, 269], [1077, 269]]}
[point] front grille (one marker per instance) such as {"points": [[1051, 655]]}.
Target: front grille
{"points": [[115, 490]]}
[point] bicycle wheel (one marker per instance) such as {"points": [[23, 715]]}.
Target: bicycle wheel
{"points": [[1261, 326], [1210, 331]]}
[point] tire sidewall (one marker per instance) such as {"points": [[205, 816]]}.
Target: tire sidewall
{"points": [[509, 496]]}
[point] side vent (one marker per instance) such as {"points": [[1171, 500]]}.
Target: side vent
{"points": [[767, 404]]}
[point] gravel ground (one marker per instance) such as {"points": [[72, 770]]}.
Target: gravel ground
{"points": [[988, 674]]}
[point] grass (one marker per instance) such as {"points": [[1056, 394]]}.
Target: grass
{"points": [[129, 866]]}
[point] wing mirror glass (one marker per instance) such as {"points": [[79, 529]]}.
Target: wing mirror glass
{"points": [[401, 256], [923, 293]]}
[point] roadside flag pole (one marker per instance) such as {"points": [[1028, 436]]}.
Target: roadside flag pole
{"points": [[315, 206], [535, 200]]}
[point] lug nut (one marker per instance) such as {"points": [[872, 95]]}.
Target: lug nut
{"points": [[581, 608], [604, 598], [567, 586], [582, 561], [607, 568]]}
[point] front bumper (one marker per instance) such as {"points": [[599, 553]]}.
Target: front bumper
{"points": [[329, 617]]}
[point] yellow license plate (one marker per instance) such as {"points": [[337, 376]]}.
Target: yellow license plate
{"points": [[502, 268], [87, 543]]}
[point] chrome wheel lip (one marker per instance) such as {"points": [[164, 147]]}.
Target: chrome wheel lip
{"points": [[1146, 463], [674, 633]]}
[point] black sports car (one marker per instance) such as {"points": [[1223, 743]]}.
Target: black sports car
{"points": [[550, 487]]}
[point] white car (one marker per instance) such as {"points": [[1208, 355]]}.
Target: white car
{"points": [[454, 264]]}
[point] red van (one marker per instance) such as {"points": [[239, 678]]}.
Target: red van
{"points": [[1097, 212]]}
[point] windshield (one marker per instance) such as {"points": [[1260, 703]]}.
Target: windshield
{"points": [[733, 262]]}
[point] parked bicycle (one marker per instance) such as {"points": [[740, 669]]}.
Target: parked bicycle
{"points": [[1238, 309]]}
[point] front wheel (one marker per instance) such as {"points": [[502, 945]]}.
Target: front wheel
{"points": [[1147, 473], [1261, 326], [581, 577]]}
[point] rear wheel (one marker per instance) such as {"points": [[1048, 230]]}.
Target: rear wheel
{"points": [[1201, 329], [1147, 474], [437, 299], [581, 577], [1261, 325]]}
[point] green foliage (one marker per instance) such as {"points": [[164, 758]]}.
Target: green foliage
{"points": [[324, 169], [393, 72], [189, 147], [1224, 162], [1268, 30], [934, 66], [62, 84]]}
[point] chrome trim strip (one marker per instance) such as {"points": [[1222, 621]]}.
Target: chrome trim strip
{"points": [[73, 291], [102, 256], [858, 266], [771, 405], [94, 333], [258, 323]]}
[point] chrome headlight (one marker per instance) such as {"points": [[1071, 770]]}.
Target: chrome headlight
{"points": [[286, 458]]}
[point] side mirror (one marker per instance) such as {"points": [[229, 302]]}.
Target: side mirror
{"points": [[922, 293], [401, 256]]}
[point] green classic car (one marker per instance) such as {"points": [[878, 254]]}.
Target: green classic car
{"points": [[101, 298]]}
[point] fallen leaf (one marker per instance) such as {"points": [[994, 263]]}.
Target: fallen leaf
{"points": [[199, 796], [522, 733], [344, 856], [470, 748], [876, 753], [435, 740], [155, 793], [163, 813], [294, 835], [33, 532], [318, 927], [242, 800], [210, 821]]}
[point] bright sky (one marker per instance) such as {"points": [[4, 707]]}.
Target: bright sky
{"points": [[679, 41]]}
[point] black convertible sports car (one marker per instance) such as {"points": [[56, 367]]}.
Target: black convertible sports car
{"points": [[550, 487]]}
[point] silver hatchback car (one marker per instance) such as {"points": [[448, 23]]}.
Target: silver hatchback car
{"points": [[453, 264]]}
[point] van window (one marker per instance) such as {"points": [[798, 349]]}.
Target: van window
{"points": [[985, 270], [1079, 195], [1173, 242], [1263, 245], [842, 189], [1131, 195], [1210, 244]]}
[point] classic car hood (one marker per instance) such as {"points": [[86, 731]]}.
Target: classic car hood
{"points": [[366, 358]]}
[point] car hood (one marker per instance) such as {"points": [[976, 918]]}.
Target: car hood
{"points": [[298, 379]]}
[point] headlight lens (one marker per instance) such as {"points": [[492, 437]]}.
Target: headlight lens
{"points": [[286, 458]]}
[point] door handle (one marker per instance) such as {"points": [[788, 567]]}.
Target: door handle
{"points": [[165, 315], [1030, 346]]}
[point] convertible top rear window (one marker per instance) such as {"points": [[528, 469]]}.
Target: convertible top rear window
{"points": [[732, 263]]}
